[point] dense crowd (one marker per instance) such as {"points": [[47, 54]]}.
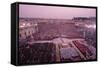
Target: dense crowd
{"points": [[45, 52], [37, 53], [89, 34], [91, 38]]}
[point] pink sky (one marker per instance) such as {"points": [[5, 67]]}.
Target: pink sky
{"points": [[36, 11]]}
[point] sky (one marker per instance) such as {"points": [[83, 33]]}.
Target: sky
{"points": [[54, 12]]}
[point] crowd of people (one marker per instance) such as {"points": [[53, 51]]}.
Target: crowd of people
{"points": [[45, 52], [89, 34], [91, 38], [37, 53]]}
